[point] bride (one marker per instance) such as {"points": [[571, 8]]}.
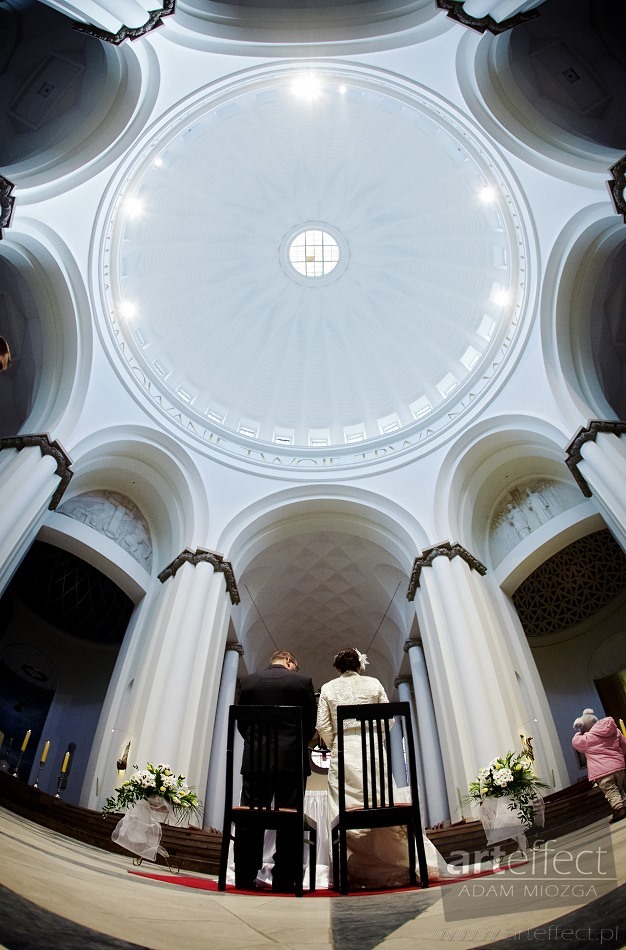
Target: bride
{"points": [[377, 857]]}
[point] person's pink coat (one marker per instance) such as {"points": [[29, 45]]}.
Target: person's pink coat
{"points": [[604, 747]]}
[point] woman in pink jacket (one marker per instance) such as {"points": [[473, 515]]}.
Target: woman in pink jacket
{"points": [[604, 746]]}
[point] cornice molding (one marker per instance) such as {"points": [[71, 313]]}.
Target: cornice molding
{"points": [[444, 549], [617, 186], [482, 24], [155, 20], [7, 203], [47, 447], [588, 433], [201, 555]]}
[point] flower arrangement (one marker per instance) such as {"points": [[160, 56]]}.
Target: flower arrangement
{"points": [[152, 782], [509, 775]]}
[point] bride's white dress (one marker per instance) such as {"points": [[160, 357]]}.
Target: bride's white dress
{"points": [[377, 857]]}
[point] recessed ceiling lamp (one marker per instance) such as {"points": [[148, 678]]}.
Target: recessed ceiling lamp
{"points": [[307, 86]]}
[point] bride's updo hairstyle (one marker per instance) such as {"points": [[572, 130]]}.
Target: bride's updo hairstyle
{"points": [[347, 660]]}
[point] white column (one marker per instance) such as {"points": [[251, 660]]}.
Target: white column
{"points": [[603, 467], [498, 10], [28, 482], [483, 681], [164, 691], [214, 801], [432, 765], [406, 696]]}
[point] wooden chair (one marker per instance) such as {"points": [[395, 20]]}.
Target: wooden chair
{"points": [[262, 726], [380, 807]]}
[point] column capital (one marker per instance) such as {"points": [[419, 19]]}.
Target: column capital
{"points": [[47, 447], [413, 642], [617, 184], [7, 202], [155, 19], [402, 680], [456, 12], [588, 433], [234, 648], [443, 549], [199, 556]]}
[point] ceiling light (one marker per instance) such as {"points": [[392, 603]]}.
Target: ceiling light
{"points": [[499, 295], [128, 308], [134, 207], [488, 194], [307, 86]]}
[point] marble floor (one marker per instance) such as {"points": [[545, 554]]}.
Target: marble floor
{"points": [[59, 893]]}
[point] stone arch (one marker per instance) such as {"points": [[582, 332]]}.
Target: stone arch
{"points": [[494, 466], [499, 81], [583, 320], [346, 548], [98, 94], [48, 329], [155, 473]]}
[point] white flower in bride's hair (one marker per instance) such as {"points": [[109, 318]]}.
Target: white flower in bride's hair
{"points": [[363, 660]]}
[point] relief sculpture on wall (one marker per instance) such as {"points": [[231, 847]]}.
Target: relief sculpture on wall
{"points": [[115, 516], [525, 508]]}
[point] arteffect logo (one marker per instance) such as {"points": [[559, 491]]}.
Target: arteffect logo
{"points": [[554, 873]]}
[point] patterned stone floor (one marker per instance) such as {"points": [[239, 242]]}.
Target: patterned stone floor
{"points": [[59, 893]]}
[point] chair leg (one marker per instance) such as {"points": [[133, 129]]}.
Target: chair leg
{"points": [[411, 836], [343, 863], [226, 839], [335, 860], [312, 859]]}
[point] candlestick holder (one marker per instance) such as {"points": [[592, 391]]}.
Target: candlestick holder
{"points": [[41, 765], [15, 772], [60, 784]]}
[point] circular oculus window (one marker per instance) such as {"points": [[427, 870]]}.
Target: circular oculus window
{"points": [[314, 253]]}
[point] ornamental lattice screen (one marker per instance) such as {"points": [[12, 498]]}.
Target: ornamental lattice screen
{"points": [[572, 585]]}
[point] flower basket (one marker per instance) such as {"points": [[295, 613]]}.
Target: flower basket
{"points": [[507, 792], [149, 798]]}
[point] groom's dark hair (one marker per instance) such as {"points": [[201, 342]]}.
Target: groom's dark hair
{"points": [[347, 660]]}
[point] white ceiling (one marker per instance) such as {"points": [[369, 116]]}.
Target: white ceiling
{"points": [[319, 592], [220, 325]]}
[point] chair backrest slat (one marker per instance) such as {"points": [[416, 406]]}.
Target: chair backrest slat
{"points": [[262, 727], [374, 722]]}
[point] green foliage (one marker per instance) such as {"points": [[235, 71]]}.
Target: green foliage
{"points": [[151, 782], [509, 775]]}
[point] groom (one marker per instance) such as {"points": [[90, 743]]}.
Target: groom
{"points": [[280, 684]]}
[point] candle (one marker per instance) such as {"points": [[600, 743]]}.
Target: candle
{"points": [[25, 742], [66, 759], [44, 754]]}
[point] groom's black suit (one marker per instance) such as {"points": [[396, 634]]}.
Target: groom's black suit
{"points": [[277, 686]]}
